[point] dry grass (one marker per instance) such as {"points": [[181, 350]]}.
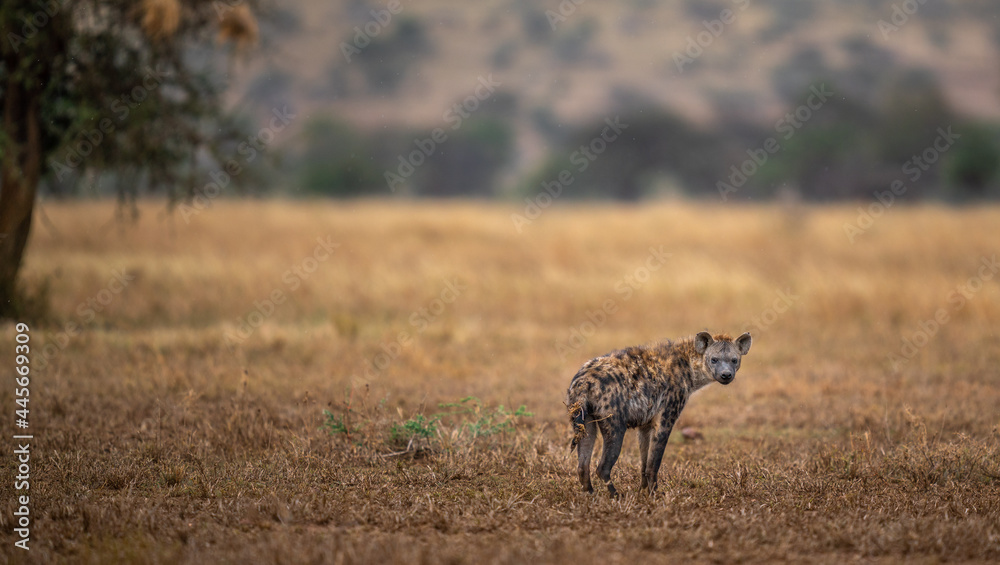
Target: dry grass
{"points": [[155, 442]]}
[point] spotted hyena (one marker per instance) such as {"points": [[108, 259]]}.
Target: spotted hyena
{"points": [[644, 387]]}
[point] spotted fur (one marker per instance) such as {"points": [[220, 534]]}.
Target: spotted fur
{"points": [[644, 387]]}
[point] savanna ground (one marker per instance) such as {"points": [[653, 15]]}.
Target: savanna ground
{"points": [[160, 439]]}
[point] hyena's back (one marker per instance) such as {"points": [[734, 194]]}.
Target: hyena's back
{"points": [[629, 387]]}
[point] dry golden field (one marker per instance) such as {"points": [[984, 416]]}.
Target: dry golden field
{"points": [[184, 422]]}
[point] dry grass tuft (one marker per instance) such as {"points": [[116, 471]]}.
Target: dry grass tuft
{"points": [[325, 436]]}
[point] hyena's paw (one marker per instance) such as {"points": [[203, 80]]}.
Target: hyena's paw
{"points": [[612, 491]]}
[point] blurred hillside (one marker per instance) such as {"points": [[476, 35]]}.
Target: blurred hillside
{"points": [[701, 85]]}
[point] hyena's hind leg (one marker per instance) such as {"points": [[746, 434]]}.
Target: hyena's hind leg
{"points": [[613, 435], [585, 450], [644, 433]]}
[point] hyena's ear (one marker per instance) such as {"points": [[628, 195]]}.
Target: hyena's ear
{"points": [[743, 342], [702, 341]]}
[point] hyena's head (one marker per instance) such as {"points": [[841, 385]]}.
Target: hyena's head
{"points": [[721, 354]]}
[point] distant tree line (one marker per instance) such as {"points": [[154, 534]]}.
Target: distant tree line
{"points": [[875, 122], [839, 147]]}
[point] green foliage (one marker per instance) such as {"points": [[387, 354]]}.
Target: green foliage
{"points": [[973, 162], [334, 424], [337, 160], [460, 425], [417, 427], [114, 101], [480, 421], [341, 424], [468, 162], [908, 122], [605, 164], [850, 149], [822, 160]]}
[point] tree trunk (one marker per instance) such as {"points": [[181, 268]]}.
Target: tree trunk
{"points": [[20, 170]]}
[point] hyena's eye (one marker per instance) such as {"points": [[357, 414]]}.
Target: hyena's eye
{"points": [[715, 360]]}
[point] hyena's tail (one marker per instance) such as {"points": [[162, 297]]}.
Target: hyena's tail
{"points": [[577, 418]]}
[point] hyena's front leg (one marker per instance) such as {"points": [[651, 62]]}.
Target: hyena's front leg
{"points": [[644, 433], [584, 451], [613, 435], [660, 437], [652, 466]]}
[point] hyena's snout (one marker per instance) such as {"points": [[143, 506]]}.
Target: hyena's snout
{"points": [[724, 371]]}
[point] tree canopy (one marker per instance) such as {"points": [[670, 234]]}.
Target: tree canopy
{"points": [[90, 86]]}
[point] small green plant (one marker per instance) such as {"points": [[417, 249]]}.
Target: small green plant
{"points": [[417, 427], [461, 423], [341, 423], [484, 422], [335, 424]]}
